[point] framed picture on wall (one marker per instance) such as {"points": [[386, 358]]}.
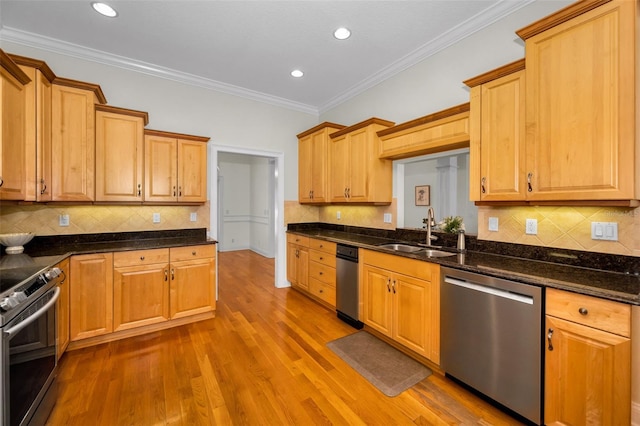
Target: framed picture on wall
{"points": [[423, 195]]}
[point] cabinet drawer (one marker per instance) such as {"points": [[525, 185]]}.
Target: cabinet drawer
{"points": [[140, 257], [298, 239], [325, 246], [607, 315], [323, 273], [322, 291], [323, 257], [193, 252]]}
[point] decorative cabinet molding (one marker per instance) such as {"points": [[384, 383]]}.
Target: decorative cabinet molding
{"points": [[313, 163], [442, 131], [119, 153]]}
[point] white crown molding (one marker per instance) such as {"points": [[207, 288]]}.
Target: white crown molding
{"points": [[77, 51], [457, 33]]}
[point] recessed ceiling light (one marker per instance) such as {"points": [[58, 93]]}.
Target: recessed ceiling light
{"points": [[104, 9], [297, 73], [342, 33]]}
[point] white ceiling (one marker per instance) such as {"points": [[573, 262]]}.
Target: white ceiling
{"points": [[248, 48]]}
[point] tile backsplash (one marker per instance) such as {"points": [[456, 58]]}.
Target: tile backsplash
{"points": [[43, 219], [563, 227]]}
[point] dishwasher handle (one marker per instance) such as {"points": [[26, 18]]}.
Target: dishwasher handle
{"points": [[522, 298]]}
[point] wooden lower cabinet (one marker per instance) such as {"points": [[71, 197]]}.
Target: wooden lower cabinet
{"points": [[122, 294], [587, 361], [91, 295], [298, 261], [140, 288], [322, 271], [192, 284], [62, 308], [400, 298]]}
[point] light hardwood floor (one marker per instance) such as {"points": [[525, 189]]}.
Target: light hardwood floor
{"points": [[262, 361]]}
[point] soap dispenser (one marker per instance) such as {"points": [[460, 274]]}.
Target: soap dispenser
{"points": [[461, 241]]}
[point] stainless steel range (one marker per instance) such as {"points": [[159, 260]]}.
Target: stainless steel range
{"points": [[28, 362]]}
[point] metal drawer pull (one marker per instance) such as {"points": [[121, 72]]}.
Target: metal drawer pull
{"points": [[549, 336], [394, 286], [193, 253], [320, 273], [166, 275], [139, 190], [141, 257], [389, 287], [44, 187], [583, 311], [482, 185], [529, 188]]}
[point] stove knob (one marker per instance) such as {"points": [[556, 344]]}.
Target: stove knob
{"points": [[18, 296], [8, 303], [52, 273]]}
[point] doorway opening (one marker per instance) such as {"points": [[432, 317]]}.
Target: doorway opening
{"points": [[247, 210]]}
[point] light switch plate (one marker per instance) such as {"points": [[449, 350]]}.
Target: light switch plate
{"points": [[338, 215], [193, 217], [493, 224], [387, 218], [156, 218], [607, 231]]}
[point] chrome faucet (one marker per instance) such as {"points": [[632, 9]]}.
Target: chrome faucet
{"points": [[430, 222]]}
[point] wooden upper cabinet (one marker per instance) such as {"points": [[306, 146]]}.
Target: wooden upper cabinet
{"points": [[356, 173], [73, 139], [119, 154], [13, 110], [313, 163], [580, 103], [497, 132], [38, 127], [175, 167]]}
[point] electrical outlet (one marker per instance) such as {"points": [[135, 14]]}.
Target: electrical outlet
{"points": [[193, 217], [607, 231], [531, 227], [63, 220], [387, 218], [338, 215], [156, 218], [493, 224]]}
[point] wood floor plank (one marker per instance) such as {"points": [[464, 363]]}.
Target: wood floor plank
{"points": [[262, 360]]}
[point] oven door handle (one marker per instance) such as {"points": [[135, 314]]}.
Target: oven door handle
{"points": [[37, 314]]}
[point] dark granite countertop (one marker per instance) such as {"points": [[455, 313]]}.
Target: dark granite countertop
{"points": [[621, 285], [67, 245]]}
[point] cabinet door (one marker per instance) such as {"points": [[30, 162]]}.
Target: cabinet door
{"points": [[377, 304], [502, 147], [292, 263], [339, 168], [192, 171], [43, 138], [140, 296], [62, 308], [160, 165], [587, 375], [305, 169], [119, 156], [358, 166], [91, 296], [580, 106], [192, 287], [411, 305], [73, 144], [12, 137], [319, 166]]}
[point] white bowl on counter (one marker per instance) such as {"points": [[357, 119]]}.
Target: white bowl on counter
{"points": [[15, 242]]}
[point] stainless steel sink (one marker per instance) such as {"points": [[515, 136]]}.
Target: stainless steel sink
{"points": [[407, 248], [438, 253]]}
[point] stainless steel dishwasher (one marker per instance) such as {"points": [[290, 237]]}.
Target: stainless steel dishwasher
{"points": [[492, 338], [347, 293]]}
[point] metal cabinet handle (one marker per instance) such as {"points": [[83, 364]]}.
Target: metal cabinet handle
{"points": [[310, 194], [320, 273], [173, 274], [483, 180], [388, 287], [1, 181], [139, 190], [393, 286], [166, 275], [348, 192], [549, 336], [174, 191], [194, 253], [529, 176], [321, 291], [44, 187], [345, 193], [141, 257], [179, 191], [583, 311]]}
